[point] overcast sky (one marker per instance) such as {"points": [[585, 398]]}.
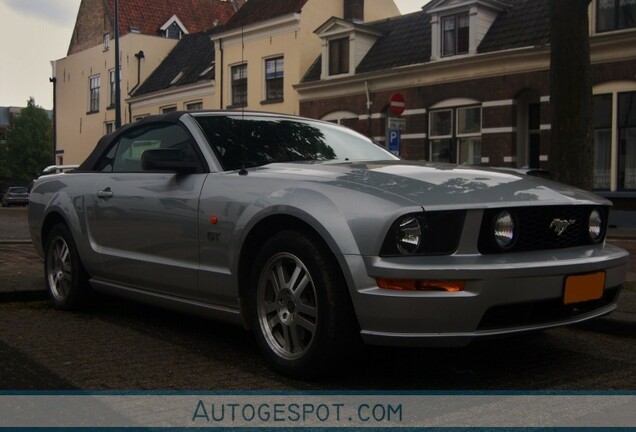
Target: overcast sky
{"points": [[34, 32]]}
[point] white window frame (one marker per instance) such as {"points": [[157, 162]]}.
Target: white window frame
{"points": [[94, 93], [595, 17], [346, 37], [454, 129], [109, 125], [266, 80], [456, 18], [111, 87], [469, 134], [188, 106], [614, 88], [430, 123], [231, 87]]}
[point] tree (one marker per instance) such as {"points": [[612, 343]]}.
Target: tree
{"points": [[30, 144], [572, 143]]}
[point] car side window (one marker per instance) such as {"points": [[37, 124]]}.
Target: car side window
{"points": [[125, 155]]}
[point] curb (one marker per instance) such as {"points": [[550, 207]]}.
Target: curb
{"points": [[23, 296], [9, 242]]}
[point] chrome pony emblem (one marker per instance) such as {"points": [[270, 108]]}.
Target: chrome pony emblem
{"points": [[559, 225]]}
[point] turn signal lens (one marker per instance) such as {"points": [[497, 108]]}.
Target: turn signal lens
{"points": [[595, 225], [421, 285]]}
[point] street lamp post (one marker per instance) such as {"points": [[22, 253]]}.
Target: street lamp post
{"points": [[117, 70]]}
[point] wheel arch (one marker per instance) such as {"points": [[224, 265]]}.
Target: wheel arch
{"points": [[51, 220], [259, 234]]}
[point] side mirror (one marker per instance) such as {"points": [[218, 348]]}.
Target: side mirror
{"points": [[167, 160]]}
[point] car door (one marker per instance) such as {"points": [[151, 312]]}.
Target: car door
{"points": [[144, 224]]}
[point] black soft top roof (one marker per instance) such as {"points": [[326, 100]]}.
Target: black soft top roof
{"points": [[105, 142]]}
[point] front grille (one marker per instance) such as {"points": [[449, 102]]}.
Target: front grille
{"points": [[536, 231], [541, 312]]}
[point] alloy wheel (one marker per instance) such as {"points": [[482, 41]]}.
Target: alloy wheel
{"points": [[59, 269], [287, 306]]}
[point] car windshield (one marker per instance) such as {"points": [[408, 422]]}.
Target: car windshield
{"points": [[251, 141], [18, 190]]}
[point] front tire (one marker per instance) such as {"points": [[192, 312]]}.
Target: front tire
{"points": [[300, 307], [66, 279]]}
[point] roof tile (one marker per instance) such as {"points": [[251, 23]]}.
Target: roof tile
{"points": [[149, 15]]}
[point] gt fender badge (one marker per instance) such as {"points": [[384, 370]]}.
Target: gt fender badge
{"points": [[560, 225]]}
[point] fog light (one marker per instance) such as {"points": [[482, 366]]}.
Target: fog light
{"points": [[504, 230], [595, 225]]}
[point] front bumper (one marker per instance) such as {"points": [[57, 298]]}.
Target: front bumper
{"points": [[504, 294]]}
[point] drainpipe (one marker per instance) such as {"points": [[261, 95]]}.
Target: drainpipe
{"points": [[117, 70], [369, 103], [220, 85], [140, 56], [53, 80]]}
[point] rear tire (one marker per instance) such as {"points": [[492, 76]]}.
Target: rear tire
{"points": [[300, 309], [66, 280]]}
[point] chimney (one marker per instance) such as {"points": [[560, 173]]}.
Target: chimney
{"points": [[354, 10]]}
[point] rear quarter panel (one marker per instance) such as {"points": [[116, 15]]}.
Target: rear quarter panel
{"points": [[63, 197]]}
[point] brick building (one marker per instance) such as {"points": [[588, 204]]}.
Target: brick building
{"points": [[475, 77]]}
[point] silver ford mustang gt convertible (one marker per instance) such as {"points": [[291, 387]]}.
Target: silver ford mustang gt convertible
{"points": [[313, 237]]}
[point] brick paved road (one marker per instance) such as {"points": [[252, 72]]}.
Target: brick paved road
{"points": [[123, 346]]}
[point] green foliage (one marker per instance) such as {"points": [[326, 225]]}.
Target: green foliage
{"points": [[29, 147]]}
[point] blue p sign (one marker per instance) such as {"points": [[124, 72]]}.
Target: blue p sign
{"points": [[394, 141]]}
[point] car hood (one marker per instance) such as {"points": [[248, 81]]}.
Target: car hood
{"points": [[440, 185]]}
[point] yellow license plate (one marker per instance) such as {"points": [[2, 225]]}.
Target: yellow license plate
{"points": [[584, 287]]}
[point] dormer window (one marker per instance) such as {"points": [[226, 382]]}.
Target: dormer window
{"points": [[344, 45], [615, 15], [459, 26], [455, 34], [174, 32], [174, 28], [339, 56]]}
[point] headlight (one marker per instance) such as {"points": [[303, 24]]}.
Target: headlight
{"points": [[504, 230], [409, 235], [429, 233], [595, 225]]}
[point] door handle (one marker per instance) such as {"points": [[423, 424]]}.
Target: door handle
{"points": [[105, 193]]}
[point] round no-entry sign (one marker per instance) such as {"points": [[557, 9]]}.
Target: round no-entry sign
{"points": [[398, 103]]}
